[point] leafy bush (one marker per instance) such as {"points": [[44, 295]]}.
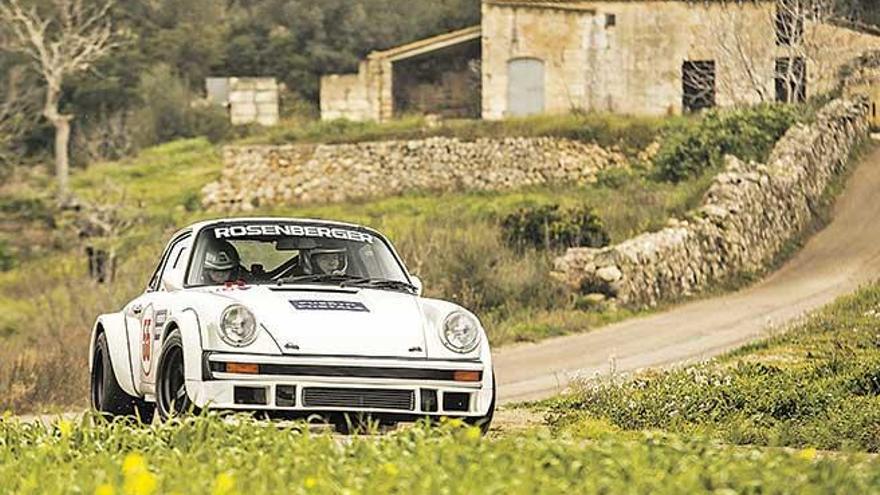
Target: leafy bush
{"points": [[551, 227], [818, 386], [167, 111], [690, 147], [210, 121], [615, 177], [470, 265]]}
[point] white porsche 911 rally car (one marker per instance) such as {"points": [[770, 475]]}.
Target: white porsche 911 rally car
{"points": [[295, 318]]}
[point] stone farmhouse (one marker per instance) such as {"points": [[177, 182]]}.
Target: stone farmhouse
{"points": [[638, 57]]}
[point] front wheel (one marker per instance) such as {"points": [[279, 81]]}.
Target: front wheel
{"points": [[171, 396], [484, 422], [106, 396]]}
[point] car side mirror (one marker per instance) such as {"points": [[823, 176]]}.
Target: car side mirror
{"points": [[417, 282]]}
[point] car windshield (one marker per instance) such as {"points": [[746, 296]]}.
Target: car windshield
{"points": [[292, 253]]}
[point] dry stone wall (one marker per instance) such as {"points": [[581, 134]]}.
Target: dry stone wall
{"points": [[268, 175], [749, 213]]}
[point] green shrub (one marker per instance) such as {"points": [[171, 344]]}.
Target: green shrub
{"points": [[470, 265], [210, 121], [167, 111], [688, 148], [615, 177], [550, 227]]}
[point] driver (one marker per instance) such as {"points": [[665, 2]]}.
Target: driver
{"points": [[328, 261], [221, 263]]}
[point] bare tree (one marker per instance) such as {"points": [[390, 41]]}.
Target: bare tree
{"points": [[766, 48], [69, 41]]}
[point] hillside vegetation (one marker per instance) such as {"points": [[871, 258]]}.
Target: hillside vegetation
{"points": [[456, 242], [815, 386], [453, 241]]}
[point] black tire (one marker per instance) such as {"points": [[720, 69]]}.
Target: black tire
{"points": [[106, 396], [171, 397], [484, 422]]}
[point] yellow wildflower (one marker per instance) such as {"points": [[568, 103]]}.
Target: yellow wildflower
{"points": [[224, 484], [105, 489], [310, 482], [133, 464], [455, 422], [473, 433], [138, 479], [141, 483], [65, 427], [390, 469], [808, 454]]}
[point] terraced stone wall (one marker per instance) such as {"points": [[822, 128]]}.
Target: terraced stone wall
{"points": [[295, 174], [748, 215]]}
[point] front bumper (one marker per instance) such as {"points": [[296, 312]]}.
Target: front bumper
{"points": [[393, 386]]}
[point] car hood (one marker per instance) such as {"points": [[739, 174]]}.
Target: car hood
{"points": [[327, 320]]}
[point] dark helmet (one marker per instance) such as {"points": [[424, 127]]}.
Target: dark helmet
{"points": [[221, 256]]}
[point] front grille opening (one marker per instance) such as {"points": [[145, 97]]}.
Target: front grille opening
{"points": [[367, 398], [456, 401], [285, 395], [249, 395], [429, 400]]}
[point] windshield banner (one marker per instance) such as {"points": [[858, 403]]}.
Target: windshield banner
{"points": [[292, 231]]}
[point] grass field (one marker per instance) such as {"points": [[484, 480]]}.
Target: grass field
{"points": [[207, 455], [815, 386]]}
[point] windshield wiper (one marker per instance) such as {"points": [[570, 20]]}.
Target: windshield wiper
{"points": [[319, 277], [381, 283]]}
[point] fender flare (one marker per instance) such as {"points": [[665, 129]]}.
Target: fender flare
{"points": [[189, 325], [113, 326]]}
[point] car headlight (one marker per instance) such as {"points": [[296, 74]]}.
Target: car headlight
{"points": [[238, 327], [460, 332]]}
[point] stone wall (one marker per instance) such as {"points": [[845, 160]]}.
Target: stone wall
{"points": [[749, 213], [345, 96], [292, 174], [247, 99]]}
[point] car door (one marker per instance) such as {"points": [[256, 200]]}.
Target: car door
{"points": [[147, 314]]}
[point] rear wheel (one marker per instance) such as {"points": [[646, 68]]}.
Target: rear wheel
{"points": [[171, 397], [107, 397]]}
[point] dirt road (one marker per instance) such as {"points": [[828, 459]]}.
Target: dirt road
{"points": [[837, 260]]}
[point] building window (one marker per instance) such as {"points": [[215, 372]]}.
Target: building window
{"points": [[789, 22], [698, 85], [791, 80], [610, 20]]}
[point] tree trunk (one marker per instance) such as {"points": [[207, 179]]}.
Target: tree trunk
{"points": [[62, 160], [61, 123]]}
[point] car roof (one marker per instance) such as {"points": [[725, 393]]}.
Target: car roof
{"points": [[200, 225]]}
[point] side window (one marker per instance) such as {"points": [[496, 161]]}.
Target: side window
{"points": [[176, 262], [174, 256]]}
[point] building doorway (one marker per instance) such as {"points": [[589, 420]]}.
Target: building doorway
{"points": [[525, 87]]}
